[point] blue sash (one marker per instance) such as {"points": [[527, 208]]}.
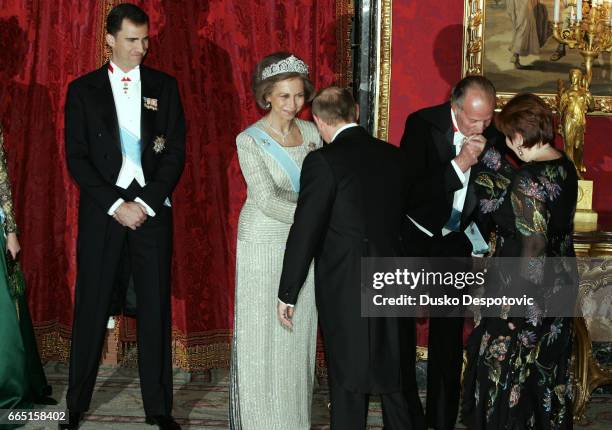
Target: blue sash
{"points": [[454, 222], [277, 152], [130, 146]]}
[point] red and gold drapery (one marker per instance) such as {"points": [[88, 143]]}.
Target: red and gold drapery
{"points": [[211, 47]]}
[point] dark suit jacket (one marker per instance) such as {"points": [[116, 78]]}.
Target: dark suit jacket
{"points": [[427, 144], [93, 154], [93, 146], [351, 205]]}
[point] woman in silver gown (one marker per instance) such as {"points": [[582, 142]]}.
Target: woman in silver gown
{"points": [[272, 368]]}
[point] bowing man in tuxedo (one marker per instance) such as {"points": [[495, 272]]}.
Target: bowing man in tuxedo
{"points": [[125, 139], [442, 145], [351, 205]]}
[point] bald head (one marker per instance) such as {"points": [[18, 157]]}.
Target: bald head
{"points": [[333, 108], [334, 105], [473, 102]]}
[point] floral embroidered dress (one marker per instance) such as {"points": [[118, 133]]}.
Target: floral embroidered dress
{"points": [[520, 379]]}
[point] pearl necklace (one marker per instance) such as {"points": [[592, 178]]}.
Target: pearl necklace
{"points": [[279, 133]]}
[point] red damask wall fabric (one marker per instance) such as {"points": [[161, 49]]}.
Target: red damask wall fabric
{"points": [[211, 47], [44, 45]]}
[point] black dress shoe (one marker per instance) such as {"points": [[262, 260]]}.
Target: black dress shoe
{"points": [[74, 419], [164, 422]]}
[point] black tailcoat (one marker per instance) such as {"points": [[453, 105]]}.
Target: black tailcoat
{"points": [[428, 147], [94, 158], [351, 205]]}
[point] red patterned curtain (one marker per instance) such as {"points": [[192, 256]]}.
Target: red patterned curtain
{"points": [[211, 47], [44, 45]]}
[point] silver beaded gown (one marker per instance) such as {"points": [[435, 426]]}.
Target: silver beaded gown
{"points": [[272, 368]]}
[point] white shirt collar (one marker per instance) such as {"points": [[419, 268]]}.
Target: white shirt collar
{"points": [[116, 74], [344, 127], [456, 127]]}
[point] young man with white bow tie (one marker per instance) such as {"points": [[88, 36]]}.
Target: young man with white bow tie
{"points": [[125, 142]]}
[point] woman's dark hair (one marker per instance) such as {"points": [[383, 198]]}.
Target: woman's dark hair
{"points": [[128, 11], [527, 115], [263, 87]]}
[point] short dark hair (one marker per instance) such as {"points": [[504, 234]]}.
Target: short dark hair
{"points": [[472, 81], [128, 11], [527, 115], [262, 88], [334, 104]]}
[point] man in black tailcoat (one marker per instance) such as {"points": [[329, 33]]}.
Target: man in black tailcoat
{"points": [[351, 205], [442, 145], [125, 138]]}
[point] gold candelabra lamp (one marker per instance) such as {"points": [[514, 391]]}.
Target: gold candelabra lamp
{"points": [[591, 35], [587, 28]]}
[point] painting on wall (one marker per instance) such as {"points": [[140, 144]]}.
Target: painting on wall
{"points": [[511, 43]]}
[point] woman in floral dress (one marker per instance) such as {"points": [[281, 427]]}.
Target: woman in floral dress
{"points": [[518, 371]]}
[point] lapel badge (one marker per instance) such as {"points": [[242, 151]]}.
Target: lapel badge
{"points": [[150, 103], [159, 144], [311, 146]]}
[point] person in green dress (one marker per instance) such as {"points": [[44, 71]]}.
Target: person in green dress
{"points": [[22, 378]]}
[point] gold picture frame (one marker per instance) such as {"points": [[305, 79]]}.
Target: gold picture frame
{"points": [[476, 60], [383, 73]]}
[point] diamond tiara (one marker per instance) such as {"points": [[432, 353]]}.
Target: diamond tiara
{"points": [[288, 65]]}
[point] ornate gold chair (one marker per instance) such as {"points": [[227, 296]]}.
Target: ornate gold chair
{"points": [[595, 302]]}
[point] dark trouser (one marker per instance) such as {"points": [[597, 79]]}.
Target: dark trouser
{"points": [[445, 344], [349, 410], [444, 361], [149, 250]]}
